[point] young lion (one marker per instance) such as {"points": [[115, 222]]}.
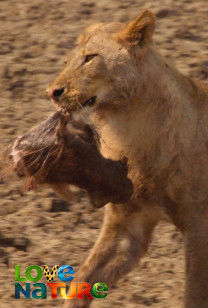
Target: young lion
{"points": [[147, 111]]}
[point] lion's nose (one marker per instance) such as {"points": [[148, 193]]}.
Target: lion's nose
{"points": [[55, 93]]}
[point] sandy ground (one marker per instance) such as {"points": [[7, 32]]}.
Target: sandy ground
{"points": [[37, 227]]}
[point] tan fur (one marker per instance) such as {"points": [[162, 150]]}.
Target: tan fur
{"points": [[158, 118]]}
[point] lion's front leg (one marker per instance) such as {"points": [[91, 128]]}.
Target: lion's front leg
{"points": [[196, 244], [124, 239]]}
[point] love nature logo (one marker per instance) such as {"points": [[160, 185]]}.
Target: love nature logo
{"points": [[37, 290]]}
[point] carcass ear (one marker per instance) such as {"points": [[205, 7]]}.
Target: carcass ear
{"points": [[139, 31]]}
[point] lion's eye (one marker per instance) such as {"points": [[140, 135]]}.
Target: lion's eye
{"points": [[88, 58]]}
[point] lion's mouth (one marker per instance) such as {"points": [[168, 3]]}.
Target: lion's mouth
{"points": [[90, 102]]}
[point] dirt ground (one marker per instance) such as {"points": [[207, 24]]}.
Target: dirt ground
{"points": [[37, 227]]}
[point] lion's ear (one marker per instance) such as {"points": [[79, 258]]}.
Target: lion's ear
{"points": [[139, 31], [83, 36]]}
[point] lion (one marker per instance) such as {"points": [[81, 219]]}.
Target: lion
{"points": [[144, 109]]}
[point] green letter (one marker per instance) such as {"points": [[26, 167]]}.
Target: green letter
{"points": [[17, 274], [99, 287], [28, 273], [42, 290]]}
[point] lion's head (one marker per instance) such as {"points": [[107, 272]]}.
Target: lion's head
{"points": [[100, 72]]}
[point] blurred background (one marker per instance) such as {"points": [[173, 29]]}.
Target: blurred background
{"points": [[37, 227]]}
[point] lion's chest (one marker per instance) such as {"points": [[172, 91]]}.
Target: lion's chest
{"points": [[117, 139]]}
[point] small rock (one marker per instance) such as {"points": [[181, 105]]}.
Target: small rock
{"points": [[58, 205], [165, 13]]}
